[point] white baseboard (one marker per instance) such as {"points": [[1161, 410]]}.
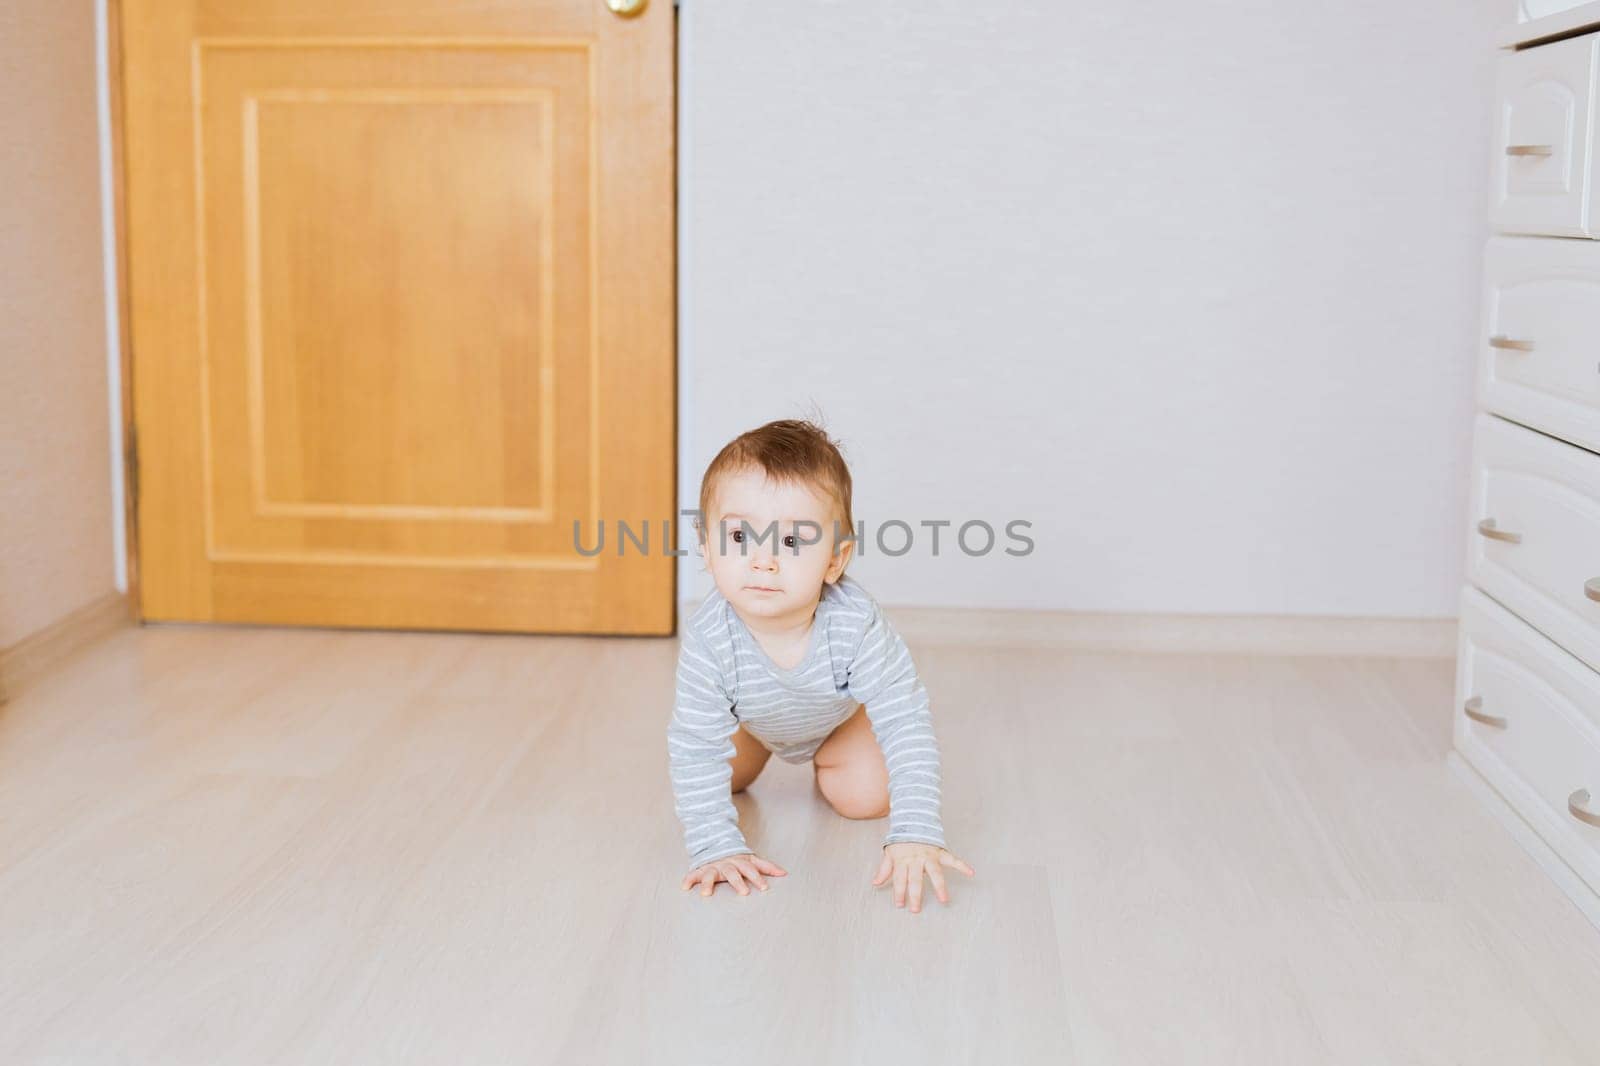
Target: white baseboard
{"points": [[1215, 634], [32, 657]]}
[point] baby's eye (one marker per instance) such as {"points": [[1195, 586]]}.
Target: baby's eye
{"points": [[788, 542], [738, 536]]}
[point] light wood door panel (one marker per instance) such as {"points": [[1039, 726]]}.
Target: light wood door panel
{"points": [[401, 289]]}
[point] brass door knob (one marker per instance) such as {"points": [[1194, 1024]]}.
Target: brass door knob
{"points": [[627, 8]]}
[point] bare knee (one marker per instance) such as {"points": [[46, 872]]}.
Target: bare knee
{"points": [[855, 790]]}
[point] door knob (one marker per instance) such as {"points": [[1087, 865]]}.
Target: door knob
{"points": [[627, 8]]}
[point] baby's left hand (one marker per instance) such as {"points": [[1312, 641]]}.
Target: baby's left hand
{"points": [[907, 861]]}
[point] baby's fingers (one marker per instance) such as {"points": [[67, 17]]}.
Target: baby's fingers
{"points": [[936, 875], [698, 874], [749, 870], [947, 859], [768, 867], [884, 870], [731, 872]]}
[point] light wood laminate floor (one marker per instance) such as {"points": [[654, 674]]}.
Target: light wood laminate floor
{"points": [[249, 845]]}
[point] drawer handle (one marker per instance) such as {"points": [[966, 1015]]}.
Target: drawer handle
{"points": [[1474, 710], [1530, 149], [1591, 589], [1507, 344], [1486, 527], [1578, 805]]}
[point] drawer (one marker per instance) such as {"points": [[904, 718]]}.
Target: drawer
{"points": [[1537, 19], [1541, 161], [1539, 361], [1546, 495], [1536, 737]]}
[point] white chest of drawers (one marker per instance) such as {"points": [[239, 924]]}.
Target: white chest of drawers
{"points": [[1527, 714]]}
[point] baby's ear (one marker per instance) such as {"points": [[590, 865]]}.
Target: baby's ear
{"points": [[836, 565]]}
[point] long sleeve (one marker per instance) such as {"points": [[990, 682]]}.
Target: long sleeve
{"points": [[699, 747], [882, 676]]}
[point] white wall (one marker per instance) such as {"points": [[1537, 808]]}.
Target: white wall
{"points": [[1191, 287], [56, 518]]}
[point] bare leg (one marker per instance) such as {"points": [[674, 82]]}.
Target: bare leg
{"points": [[850, 771], [748, 760]]}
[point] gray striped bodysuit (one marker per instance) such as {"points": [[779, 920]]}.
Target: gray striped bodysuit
{"points": [[724, 678]]}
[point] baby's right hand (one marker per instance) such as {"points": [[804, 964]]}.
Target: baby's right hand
{"points": [[734, 869]]}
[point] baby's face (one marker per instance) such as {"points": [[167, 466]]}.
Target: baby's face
{"points": [[769, 546]]}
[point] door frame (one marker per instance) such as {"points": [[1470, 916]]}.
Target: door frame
{"points": [[124, 442]]}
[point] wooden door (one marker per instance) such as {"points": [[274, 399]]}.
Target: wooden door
{"points": [[401, 303]]}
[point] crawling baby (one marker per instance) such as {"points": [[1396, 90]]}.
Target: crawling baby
{"points": [[790, 655]]}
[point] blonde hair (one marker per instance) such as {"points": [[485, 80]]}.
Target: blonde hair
{"points": [[795, 451]]}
